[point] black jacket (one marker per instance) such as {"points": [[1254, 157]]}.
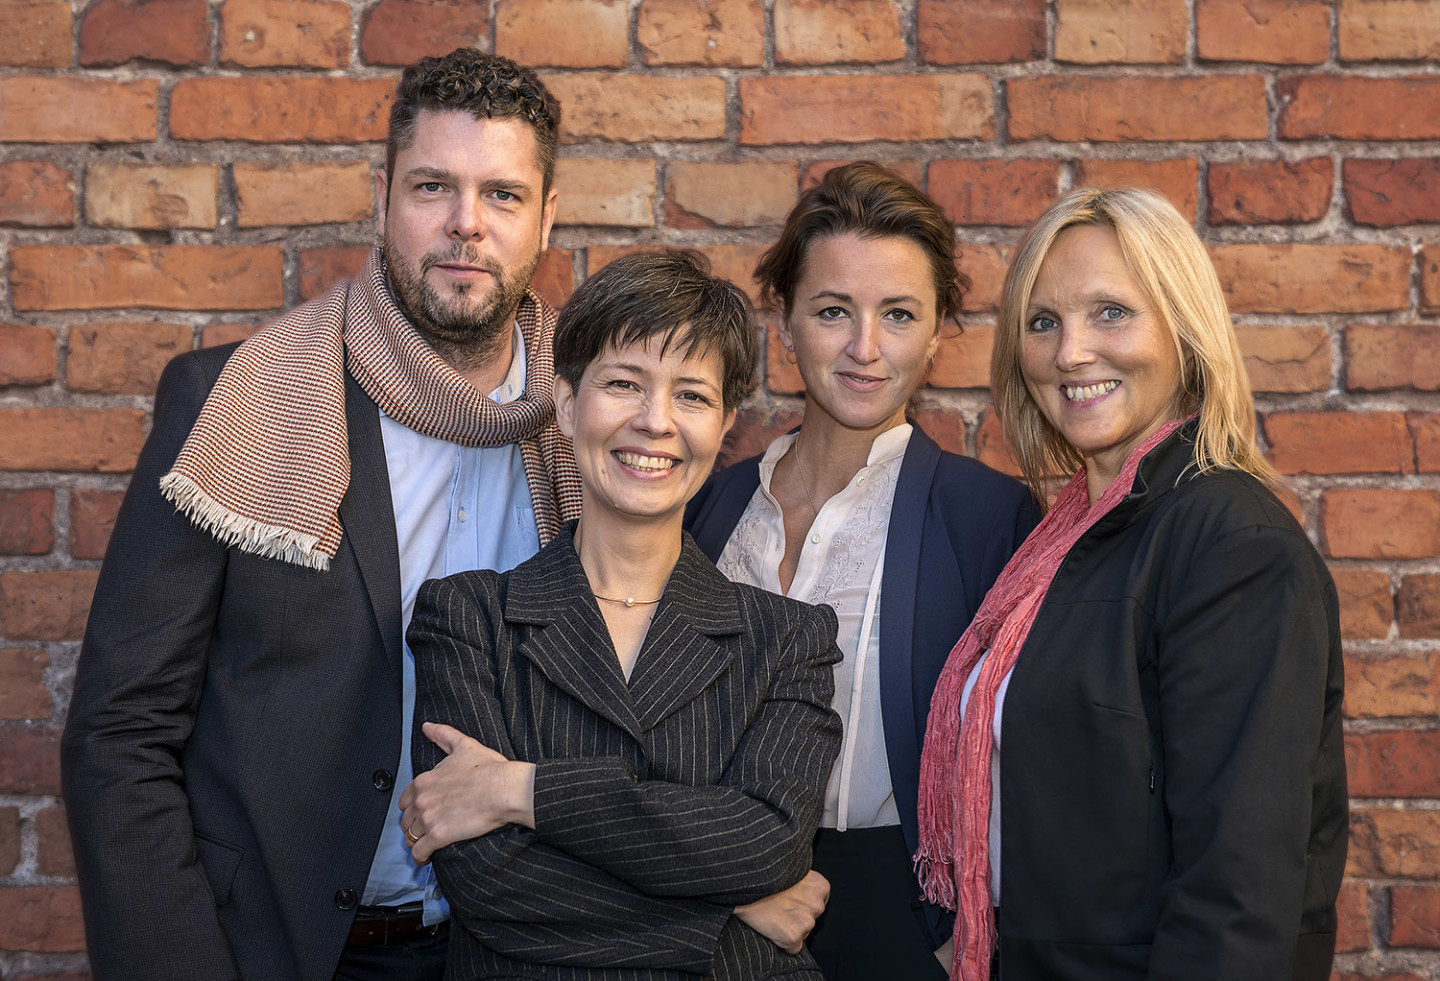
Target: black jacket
{"points": [[1172, 771]]}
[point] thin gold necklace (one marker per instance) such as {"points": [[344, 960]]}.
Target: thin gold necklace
{"points": [[627, 602], [804, 482]]}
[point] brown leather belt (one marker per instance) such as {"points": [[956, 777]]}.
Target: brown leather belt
{"points": [[376, 925]]}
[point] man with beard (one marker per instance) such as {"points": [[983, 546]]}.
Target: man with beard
{"points": [[239, 734]]}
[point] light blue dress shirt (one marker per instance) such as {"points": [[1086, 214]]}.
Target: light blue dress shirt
{"points": [[456, 508]]}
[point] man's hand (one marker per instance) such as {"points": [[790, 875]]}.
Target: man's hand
{"points": [[787, 917], [473, 791]]}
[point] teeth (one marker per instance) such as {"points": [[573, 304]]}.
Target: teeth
{"points": [[1084, 393], [641, 462]]}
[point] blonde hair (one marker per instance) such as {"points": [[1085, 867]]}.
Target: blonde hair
{"points": [[1170, 265]]}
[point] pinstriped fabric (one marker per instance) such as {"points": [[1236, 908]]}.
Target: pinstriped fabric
{"points": [[267, 462], [660, 803]]}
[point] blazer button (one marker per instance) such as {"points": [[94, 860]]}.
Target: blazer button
{"points": [[383, 780], [346, 898]]}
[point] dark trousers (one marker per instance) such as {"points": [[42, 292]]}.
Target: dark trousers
{"points": [[422, 959], [873, 928]]}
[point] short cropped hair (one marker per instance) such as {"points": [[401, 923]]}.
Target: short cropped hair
{"points": [[671, 295], [1171, 266], [868, 200], [486, 86]]}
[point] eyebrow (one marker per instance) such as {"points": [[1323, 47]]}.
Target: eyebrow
{"points": [[440, 174], [635, 369], [836, 294]]}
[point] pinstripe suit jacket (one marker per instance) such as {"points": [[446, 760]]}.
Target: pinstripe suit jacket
{"points": [[660, 803]]}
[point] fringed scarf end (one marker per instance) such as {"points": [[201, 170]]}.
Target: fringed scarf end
{"points": [[237, 531]]}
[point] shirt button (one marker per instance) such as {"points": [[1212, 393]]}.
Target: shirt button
{"points": [[346, 898], [861, 481], [815, 539], [462, 516], [383, 780]]}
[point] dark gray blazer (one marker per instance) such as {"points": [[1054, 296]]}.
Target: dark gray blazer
{"points": [[660, 803], [235, 726]]}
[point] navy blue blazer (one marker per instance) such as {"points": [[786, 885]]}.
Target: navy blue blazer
{"points": [[954, 524]]}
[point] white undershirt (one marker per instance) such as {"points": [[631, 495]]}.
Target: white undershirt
{"points": [[841, 563], [994, 768]]}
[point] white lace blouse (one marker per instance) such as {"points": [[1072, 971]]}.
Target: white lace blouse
{"points": [[840, 565]]}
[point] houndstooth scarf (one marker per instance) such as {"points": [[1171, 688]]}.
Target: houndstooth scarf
{"points": [[268, 461]]}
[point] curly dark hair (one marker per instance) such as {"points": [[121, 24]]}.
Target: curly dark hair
{"points": [[486, 86]]}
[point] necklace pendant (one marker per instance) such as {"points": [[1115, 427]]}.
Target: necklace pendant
{"points": [[629, 602]]}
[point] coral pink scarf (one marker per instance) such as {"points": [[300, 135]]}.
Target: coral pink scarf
{"points": [[953, 863]]}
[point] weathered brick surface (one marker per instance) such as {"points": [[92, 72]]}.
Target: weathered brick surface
{"points": [[1286, 359], [400, 32], [754, 431], [56, 109], [554, 279], [985, 264], [53, 832], [1391, 687], [1415, 916], [994, 192], [861, 108], [564, 33], [35, 34], [727, 33], [1425, 429], [1339, 442], [27, 355], [303, 193], [740, 195], [151, 196], [27, 521], [1097, 32], [1344, 107], [123, 358], [36, 193], [1352, 909], [177, 277], [1294, 278], [1393, 763], [176, 32], [45, 605], [1384, 357], [23, 694], [1366, 606], [1262, 192], [1379, 523], [945, 426], [990, 446], [782, 376], [99, 440], [639, 108], [29, 757], [1402, 844], [827, 32], [1068, 108], [271, 33], [1283, 32], [92, 518], [606, 192], [963, 358], [1393, 192], [1388, 30], [1419, 606], [9, 839], [1178, 179], [41, 918], [303, 109], [1430, 279], [322, 268], [980, 31]]}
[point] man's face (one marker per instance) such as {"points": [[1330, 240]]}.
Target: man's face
{"points": [[464, 218]]}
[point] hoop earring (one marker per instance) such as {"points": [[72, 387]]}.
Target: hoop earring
{"points": [[790, 357]]}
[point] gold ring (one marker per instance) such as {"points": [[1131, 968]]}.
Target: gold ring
{"points": [[411, 838]]}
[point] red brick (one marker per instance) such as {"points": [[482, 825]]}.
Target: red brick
{"points": [[401, 32], [123, 358], [36, 193], [289, 193], [1366, 606], [554, 278], [1384, 687], [1281, 32], [29, 757], [215, 335], [173, 31], [41, 918], [1419, 606], [755, 429], [811, 171], [1353, 912], [9, 839], [49, 976], [87, 440], [1270, 191], [1425, 429], [1301, 278], [151, 195], [990, 445], [1094, 32], [1339, 442], [27, 355], [1122, 109], [606, 191], [1387, 976], [1344, 107], [715, 33], [45, 605], [321, 269], [861, 108], [782, 376], [92, 518], [27, 521], [564, 33], [944, 425], [1286, 359], [35, 33], [1175, 179], [985, 264], [53, 830], [56, 109], [828, 32], [639, 108], [980, 31], [1375, 523], [293, 109], [963, 359], [1414, 916], [994, 192], [1388, 30], [1387, 843], [268, 33], [1393, 763], [1393, 192], [23, 694], [747, 194], [1385, 357], [1430, 279], [175, 277]]}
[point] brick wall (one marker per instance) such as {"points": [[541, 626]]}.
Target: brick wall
{"points": [[175, 172]]}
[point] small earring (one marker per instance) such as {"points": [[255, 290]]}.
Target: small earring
{"points": [[790, 356]]}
